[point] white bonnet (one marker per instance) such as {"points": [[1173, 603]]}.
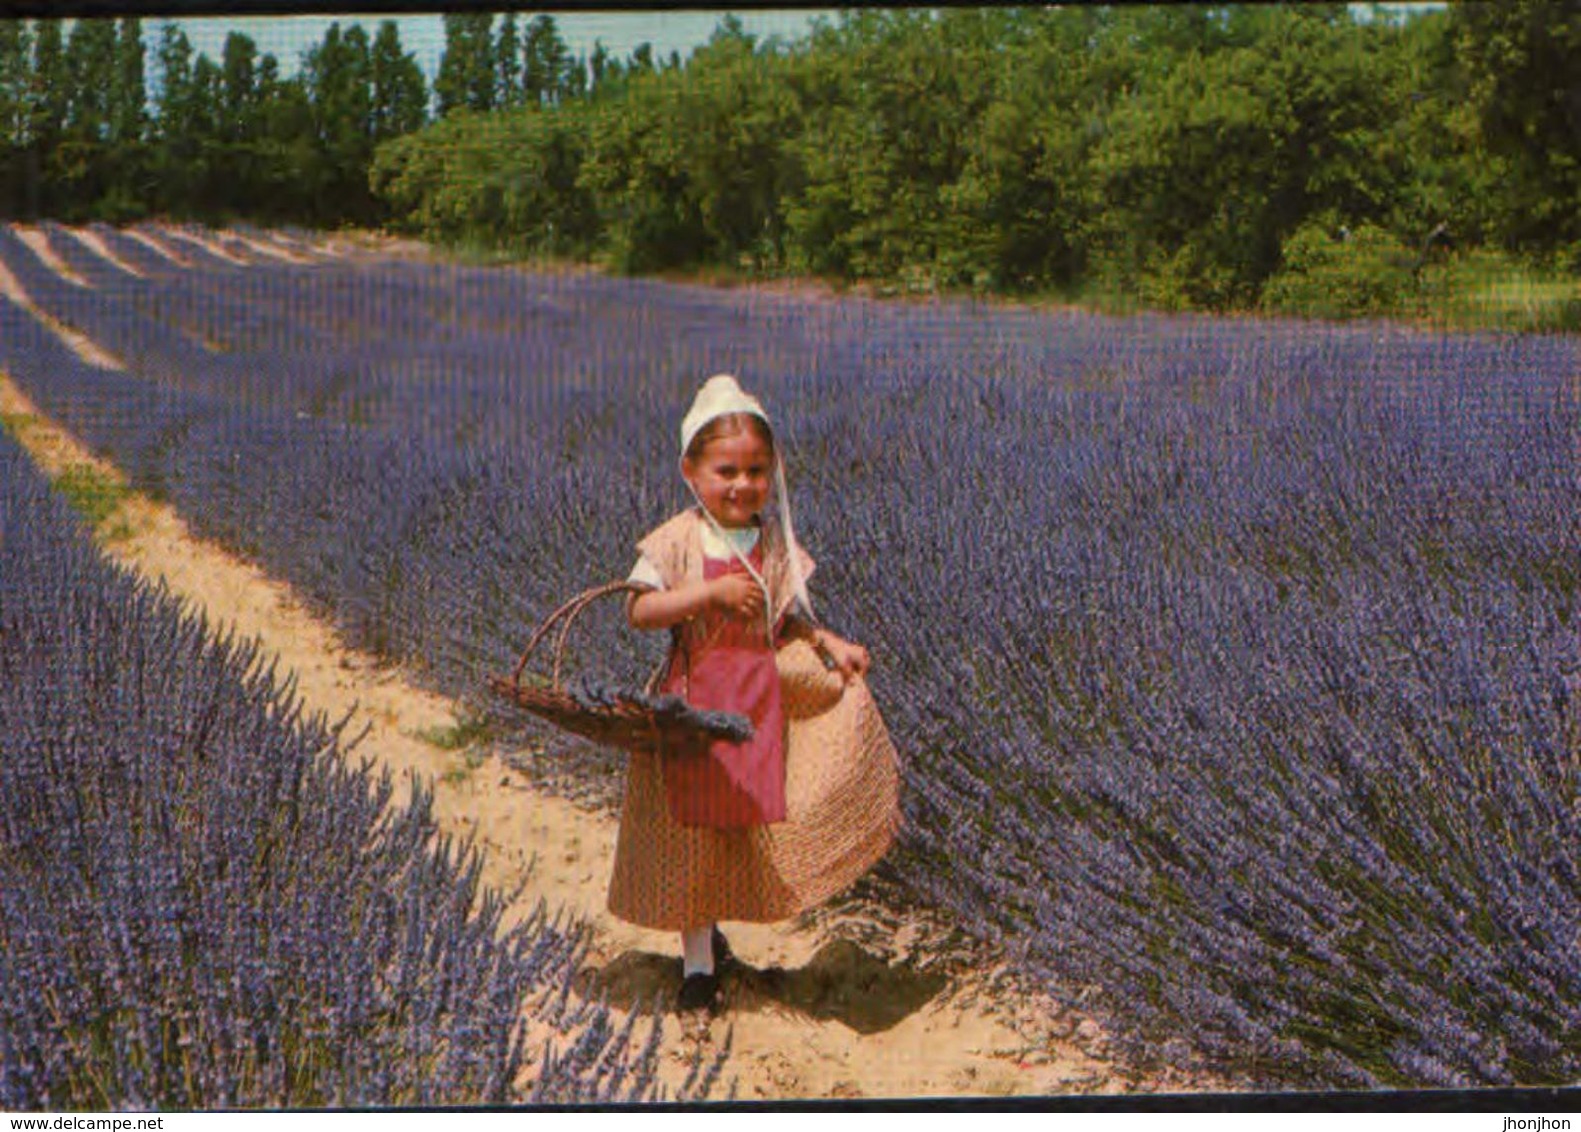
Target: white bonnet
{"points": [[720, 396]]}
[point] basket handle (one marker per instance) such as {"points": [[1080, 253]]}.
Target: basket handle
{"points": [[563, 617]]}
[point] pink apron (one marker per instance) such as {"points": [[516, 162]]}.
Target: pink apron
{"points": [[729, 785]]}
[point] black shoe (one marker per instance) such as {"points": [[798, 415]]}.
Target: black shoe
{"points": [[698, 992], [722, 952]]}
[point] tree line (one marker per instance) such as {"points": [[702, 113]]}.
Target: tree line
{"points": [[1210, 156], [1204, 156], [107, 121]]}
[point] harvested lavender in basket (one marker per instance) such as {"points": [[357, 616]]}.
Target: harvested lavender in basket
{"points": [[593, 694]]}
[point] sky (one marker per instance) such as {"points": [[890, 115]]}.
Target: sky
{"points": [[287, 37]]}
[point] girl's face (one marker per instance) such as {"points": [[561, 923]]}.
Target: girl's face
{"points": [[731, 477]]}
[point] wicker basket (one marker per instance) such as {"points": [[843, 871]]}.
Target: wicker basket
{"points": [[624, 723]]}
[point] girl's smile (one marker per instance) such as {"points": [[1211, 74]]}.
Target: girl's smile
{"points": [[731, 477]]}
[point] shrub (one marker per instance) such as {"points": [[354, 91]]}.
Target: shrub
{"points": [[1365, 273]]}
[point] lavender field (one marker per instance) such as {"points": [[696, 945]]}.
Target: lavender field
{"points": [[205, 902], [1229, 658]]}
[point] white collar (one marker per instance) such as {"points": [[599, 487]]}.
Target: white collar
{"points": [[735, 540]]}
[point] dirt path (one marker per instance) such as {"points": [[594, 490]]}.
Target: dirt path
{"points": [[86, 349], [170, 232], [95, 244], [35, 239], [811, 1015]]}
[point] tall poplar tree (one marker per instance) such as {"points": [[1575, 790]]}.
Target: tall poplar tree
{"points": [[16, 69], [176, 147], [508, 65], [544, 58], [129, 92], [90, 65], [128, 182], [339, 78], [47, 102], [400, 95], [239, 79], [467, 68], [287, 146]]}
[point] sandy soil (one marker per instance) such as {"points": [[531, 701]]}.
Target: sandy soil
{"points": [[361, 242], [213, 247], [268, 249], [98, 247], [85, 348], [810, 1014], [39, 242], [160, 246]]}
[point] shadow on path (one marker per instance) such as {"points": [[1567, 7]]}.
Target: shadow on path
{"points": [[841, 983]]}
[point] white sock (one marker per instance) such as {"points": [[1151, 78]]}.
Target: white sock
{"points": [[697, 950]]}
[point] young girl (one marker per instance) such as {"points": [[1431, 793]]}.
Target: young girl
{"points": [[759, 830]]}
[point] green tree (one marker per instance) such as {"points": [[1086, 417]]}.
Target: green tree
{"points": [[1441, 180], [400, 94], [129, 92], [1014, 216], [236, 126], [287, 149], [691, 167], [78, 160], [1222, 155], [90, 62], [573, 79], [338, 75], [16, 69], [1523, 59], [239, 78], [212, 190], [467, 67], [506, 180], [508, 64], [180, 151], [893, 99], [47, 108], [544, 60], [129, 184]]}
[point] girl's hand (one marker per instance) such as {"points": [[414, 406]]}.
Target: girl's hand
{"points": [[737, 594], [850, 659]]}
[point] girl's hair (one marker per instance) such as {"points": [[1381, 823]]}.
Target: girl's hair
{"points": [[730, 424]]}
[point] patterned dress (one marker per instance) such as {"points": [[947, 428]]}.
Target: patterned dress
{"points": [[839, 802]]}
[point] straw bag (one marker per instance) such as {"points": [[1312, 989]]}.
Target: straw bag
{"points": [[636, 721], [808, 685]]}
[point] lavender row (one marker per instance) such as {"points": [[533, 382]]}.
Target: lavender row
{"points": [[204, 905], [274, 333], [1228, 656]]}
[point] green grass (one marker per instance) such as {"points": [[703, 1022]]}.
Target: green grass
{"points": [[90, 493], [457, 737], [461, 737], [15, 424], [460, 772], [1485, 291]]}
